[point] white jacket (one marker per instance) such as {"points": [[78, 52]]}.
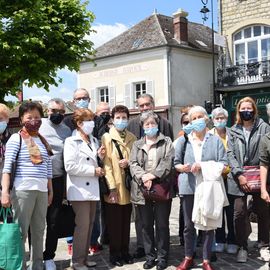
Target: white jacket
{"points": [[210, 197], [80, 163]]}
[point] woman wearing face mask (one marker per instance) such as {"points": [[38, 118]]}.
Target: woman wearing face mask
{"points": [[202, 147], [243, 150], [81, 152], [220, 118], [184, 121], [151, 161], [117, 203], [32, 191]]}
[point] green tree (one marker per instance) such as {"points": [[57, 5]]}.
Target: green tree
{"points": [[38, 37]]}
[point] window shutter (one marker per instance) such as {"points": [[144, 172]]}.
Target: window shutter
{"points": [[93, 99], [128, 96], [111, 97], [150, 88]]}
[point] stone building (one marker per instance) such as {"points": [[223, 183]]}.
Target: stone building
{"points": [[167, 57], [246, 68]]}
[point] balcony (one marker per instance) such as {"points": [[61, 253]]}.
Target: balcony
{"points": [[258, 72]]}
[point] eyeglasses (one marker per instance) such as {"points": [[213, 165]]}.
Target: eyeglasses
{"points": [[57, 111], [105, 113], [81, 98]]}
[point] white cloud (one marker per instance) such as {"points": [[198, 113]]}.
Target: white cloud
{"points": [[106, 32]]}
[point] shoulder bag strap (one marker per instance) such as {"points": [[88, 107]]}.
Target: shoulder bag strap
{"points": [[20, 145], [118, 149], [184, 148]]}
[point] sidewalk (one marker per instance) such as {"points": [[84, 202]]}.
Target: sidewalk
{"points": [[224, 262]]}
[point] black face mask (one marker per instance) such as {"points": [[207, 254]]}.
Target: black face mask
{"points": [[246, 115], [105, 118], [56, 118]]}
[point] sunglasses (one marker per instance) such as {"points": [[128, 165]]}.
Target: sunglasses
{"points": [[185, 123]]}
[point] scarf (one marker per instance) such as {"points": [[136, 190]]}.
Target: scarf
{"points": [[34, 152]]}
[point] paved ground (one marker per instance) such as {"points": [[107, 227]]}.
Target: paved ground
{"points": [[224, 262]]}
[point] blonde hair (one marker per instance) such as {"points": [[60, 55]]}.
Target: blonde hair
{"points": [[81, 115], [4, 110], [254, 107]]}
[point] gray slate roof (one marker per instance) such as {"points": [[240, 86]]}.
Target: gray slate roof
{"points": [[155, 31]]}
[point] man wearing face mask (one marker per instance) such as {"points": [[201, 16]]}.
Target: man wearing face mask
{"points": [[101, 120], [145, 102], [81, 100], [55, 132]]}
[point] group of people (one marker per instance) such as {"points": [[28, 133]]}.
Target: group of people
{"points": [[65, 157]]}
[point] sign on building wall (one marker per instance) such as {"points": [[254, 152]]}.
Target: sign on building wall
{"points": [[261, 99]]}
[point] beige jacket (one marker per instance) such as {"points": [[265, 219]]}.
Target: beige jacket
{"points": [[114, 174]]}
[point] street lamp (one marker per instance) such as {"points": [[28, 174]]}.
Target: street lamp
{"points": [[204, 12]]}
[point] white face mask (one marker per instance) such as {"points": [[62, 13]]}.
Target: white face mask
{"points": [[88, 127]]}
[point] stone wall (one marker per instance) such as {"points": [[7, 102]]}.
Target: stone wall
{"points": [[233, 12]]}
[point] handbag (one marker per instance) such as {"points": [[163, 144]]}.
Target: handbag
{"points": [[65, 220], [252, 174], [128, 177], [158, 192], [11, 245], [103, 186]]}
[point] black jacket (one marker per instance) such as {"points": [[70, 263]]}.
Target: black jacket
{"points": [[240, 153]]}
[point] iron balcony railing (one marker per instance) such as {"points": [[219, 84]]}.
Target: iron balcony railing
{"points": [[256, 72]]}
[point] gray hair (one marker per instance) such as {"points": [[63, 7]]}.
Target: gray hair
{"points": [[147, 96], [80, 89], [197, 109], [149, 114], [57, 101], [219, 110]]}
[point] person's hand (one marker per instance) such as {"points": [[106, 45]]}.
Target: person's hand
{"points": [[5, 200], [148, 184], [195, 168], [265, 196], [99, 172], [148, 177], [123, 163], [243, 183], [184, 168], [50, 197], [101, 152], [113, 197]]}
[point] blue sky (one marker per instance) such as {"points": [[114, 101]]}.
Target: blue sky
{"points": [[112, 18]]}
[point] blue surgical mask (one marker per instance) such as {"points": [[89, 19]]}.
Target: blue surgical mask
{"points": [[151, 132], [3, 126], [187, 129], [120, 124], [220, 124], [82, 104], [198, 124]]}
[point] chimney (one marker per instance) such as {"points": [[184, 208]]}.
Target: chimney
{"points": [[180, 26]]}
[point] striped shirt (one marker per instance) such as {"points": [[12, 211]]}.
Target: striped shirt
{"points": [[28, 176]]}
